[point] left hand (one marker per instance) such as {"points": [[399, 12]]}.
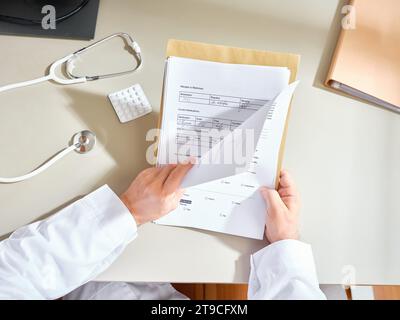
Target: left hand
{"points": [[283, 208]]}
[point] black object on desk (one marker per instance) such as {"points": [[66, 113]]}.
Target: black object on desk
{"points": [[75, 19]]}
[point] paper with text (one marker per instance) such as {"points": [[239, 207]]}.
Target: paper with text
{"points": [[207, 97]]}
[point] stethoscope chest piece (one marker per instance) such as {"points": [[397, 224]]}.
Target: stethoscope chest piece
{"points": [[84, 141]]}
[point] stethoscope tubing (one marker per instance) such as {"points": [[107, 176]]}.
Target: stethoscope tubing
{"points": [[50, 76], [42, 168]]}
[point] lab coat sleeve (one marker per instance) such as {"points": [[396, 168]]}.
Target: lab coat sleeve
{"points": [[284, 270], [50, 258]]}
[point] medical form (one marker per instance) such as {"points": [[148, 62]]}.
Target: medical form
{"points": [[204, 105]]}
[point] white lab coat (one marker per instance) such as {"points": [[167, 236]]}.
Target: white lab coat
{"points": [[59, 256]]}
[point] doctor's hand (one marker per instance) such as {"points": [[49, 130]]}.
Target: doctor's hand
{"points": [[282, 210], [155, 192]]}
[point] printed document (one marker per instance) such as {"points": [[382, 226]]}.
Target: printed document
{"points": [[231, 118]]}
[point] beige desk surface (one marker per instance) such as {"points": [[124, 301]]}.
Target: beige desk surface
{"points": [[344, 154]]}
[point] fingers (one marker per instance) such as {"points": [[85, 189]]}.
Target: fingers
{"points": [[176, 176], [287, 182], [286, 195], [287, 187], [285, 192], [272, 199], [164, 172]]}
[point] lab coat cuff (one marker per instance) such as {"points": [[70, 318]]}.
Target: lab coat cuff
{"points": [[112, 215], [285, 256]]}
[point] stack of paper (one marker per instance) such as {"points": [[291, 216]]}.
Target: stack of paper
{"points": [[207, 108]]}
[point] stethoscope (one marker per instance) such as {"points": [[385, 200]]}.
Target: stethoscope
{"points": [[83, 141], [70, 60]]}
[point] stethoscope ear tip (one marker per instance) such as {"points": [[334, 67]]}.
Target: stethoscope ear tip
{"points": [[84, 141]]}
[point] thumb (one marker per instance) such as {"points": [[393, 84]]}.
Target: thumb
{"points": [[272, 199]]}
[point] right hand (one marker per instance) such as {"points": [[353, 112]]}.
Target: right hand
{"points": [[283, 208], [155, 192]]}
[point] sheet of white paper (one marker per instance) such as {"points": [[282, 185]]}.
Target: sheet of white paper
{"points": [[204, 96], [259, 123]]}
